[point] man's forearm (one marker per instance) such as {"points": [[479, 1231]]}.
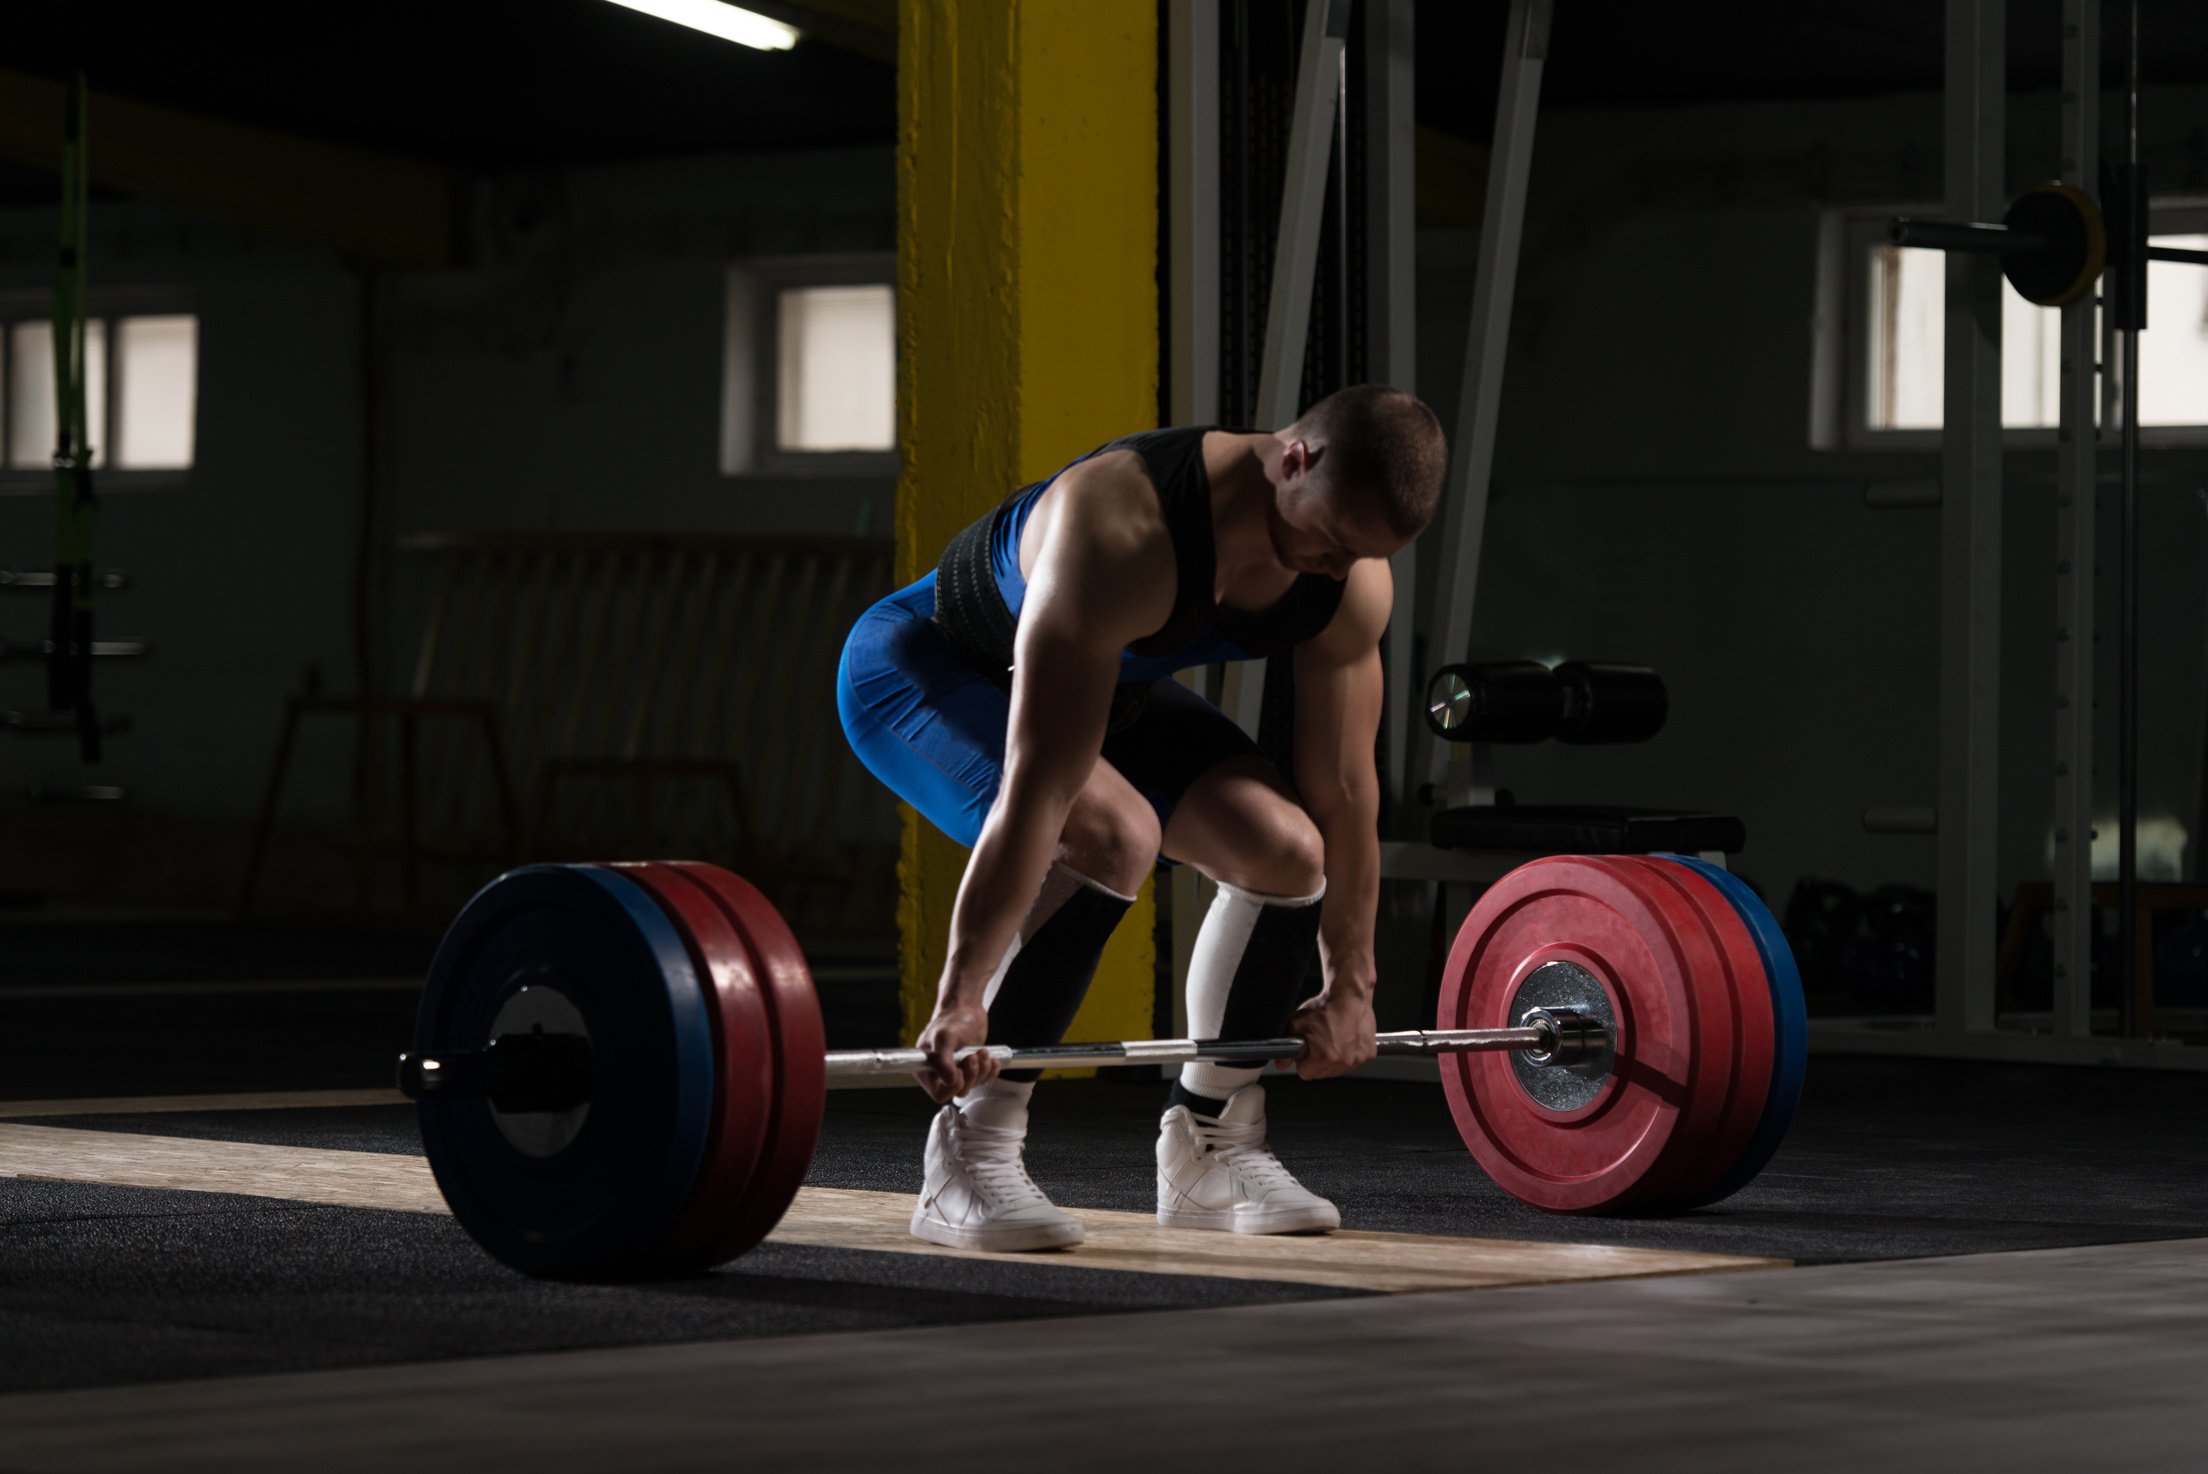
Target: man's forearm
{"points": [[1352, 837], [1009, 861]]}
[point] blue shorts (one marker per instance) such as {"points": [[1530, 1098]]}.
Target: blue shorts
{"points": [[933, 728]]}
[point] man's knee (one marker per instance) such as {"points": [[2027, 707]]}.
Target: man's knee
{"points": [[1284, 854], [1299, 853], [1113, 844]]}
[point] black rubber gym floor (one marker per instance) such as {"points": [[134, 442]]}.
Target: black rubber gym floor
{"points": [[107, 1285], [102, 1284], [1888, 1159]]}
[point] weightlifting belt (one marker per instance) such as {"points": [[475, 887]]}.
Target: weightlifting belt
{"points": [[970, 610]]}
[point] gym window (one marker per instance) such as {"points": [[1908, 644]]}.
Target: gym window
{"points": [[1883, 339], [140, 416], [811, 367]]}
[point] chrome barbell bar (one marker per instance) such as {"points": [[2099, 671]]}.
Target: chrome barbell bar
{"points": [[553, 1071], [550, 1071], [1545, 1035]]}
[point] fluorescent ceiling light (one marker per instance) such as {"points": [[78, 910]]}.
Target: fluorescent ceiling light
{"points": [[729, 22]]}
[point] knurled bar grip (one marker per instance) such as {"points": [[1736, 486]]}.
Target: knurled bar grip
{"points": [[848, 1063]]}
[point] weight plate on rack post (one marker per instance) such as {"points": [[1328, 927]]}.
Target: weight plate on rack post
{"points": [[744, 1078], [2069, 221], [800, 1050], [1735, 986], [1789, 1021], [571, 949], [1671, 1070]]}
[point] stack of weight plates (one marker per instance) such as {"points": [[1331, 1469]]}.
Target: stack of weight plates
{"points": [[706, 1068], [1692, 976]]}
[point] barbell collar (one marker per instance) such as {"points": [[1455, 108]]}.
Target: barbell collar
{"points": [[1574, 1037]]}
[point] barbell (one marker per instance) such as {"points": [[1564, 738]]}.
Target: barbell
{"points": [[2052, 242], [620, 1070]]}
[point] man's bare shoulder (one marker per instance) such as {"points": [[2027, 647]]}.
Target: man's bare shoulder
{"points": [[1106, 543], [1109, 500], [1368, 598]]}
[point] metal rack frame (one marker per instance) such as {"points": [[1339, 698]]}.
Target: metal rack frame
{"points": [[1965, 1024], [1966, 820]]}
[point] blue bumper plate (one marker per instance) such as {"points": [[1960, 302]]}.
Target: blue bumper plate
{"points": [[590, 1193]]}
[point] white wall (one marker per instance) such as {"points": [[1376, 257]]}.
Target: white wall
{"points": [[241, 577], [569, 378], [577, 383]]}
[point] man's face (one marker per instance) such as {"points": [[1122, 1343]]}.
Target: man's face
{"points": [[1320, 528]]}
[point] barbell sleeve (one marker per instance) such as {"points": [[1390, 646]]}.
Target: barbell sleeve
{"points": [[518, 1072], [1969, 236]]}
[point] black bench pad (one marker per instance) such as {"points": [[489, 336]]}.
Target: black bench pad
{"points": [[1585, 829]]}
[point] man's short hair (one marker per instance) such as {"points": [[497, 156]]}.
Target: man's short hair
{"points": [[1383, 444]]}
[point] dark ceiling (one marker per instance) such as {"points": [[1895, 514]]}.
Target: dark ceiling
{"points": [[472, 83], [514, 83], [1614, 52]]}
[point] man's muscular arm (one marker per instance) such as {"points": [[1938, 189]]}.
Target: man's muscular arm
{"points": [[1099, 581], [1338, 700]]}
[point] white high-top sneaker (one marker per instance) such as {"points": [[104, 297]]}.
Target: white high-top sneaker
{"points": [[978, 1194], [1221, 1174]]}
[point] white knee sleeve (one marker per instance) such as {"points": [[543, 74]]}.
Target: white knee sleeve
{"points": [[1223, 948]]}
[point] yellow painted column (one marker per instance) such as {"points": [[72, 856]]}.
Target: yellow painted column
{"points": [[1027, 328]]}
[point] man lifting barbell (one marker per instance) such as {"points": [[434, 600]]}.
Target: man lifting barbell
{"points": [[621, 1071], [1018, 697]]}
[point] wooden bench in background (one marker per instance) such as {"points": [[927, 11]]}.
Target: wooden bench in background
{"points": [[618, 696]]}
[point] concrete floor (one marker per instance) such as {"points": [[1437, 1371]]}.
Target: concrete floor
{"points": [[2060, 1359]]}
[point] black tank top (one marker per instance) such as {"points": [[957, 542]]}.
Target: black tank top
{"points": [[970, 605]]}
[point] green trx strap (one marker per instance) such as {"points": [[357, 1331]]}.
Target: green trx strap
{"points": [[69, 659]]}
